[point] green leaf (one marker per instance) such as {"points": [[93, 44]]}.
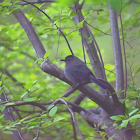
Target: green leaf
{"points": [[23, 95], [46, 55], [124, 123], [134, 111], [116, 118], [115, 124], [135, 117], [80, 24], [104, 126], [39, 60], [137, 10], [71, 14], [135, 67], [53, 111], [5, 3], [122, 116], [2, 108], [138, 70], [58, 119], [7, 132], [1, 116], [29, 99], [31, 84], [1, 89], [9, 104], [122, 100], [12, 129], [31, 127], [49, 107], [128, 63]]}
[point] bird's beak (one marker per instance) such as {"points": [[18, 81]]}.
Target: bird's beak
{"points": [[62, 60]]}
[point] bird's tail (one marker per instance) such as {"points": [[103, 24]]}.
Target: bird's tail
{"points": [[99, 83]]}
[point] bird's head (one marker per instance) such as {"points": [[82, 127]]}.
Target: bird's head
{"points": [[68, 59]]}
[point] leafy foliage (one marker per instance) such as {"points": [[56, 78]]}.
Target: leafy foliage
{"points": [[21, 77]]}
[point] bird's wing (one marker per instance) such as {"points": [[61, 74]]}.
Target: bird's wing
{"points": [[81, 72], [83, 69]]}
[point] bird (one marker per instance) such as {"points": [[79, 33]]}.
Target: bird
{"points": [[76, 71]]}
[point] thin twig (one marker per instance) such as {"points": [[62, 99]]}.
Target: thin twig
{"points": [[58, 37], [72, 115], [83, 48], [130, 18], [124, 57], [74, 131], [109, 34], [98, 52], [81, 29], [53, 23], [73, 118], [97, 29], [26, 103], [37, 136]]}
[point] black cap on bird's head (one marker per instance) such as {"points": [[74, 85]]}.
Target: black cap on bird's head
{"points": [[68, 58]]}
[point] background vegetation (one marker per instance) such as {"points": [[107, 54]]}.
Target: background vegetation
{"points": [[28, 90]]}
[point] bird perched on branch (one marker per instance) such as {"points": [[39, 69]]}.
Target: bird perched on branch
{"points": [[77, 72]]}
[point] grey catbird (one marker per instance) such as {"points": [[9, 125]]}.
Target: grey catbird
{"points": [[76, 71]]}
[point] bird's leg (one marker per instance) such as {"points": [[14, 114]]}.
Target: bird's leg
{"points": [[78, 84], [75, 85]]}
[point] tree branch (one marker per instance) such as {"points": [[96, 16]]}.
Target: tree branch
{"points": [[35, 1], [28, 103], [90, 47], [117, 52], [100, 118], [72, 115], [9, 116]]}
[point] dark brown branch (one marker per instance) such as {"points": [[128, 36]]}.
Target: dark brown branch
{"points": [[28, 103], [36, 1]]}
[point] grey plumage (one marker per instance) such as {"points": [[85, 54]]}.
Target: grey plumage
{"points": [[76, 71]]}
